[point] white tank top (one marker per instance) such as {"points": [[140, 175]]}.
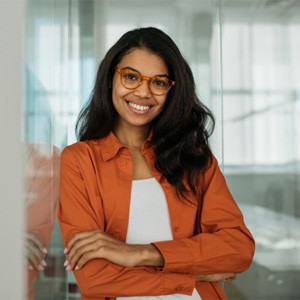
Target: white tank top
{"points": [[149, 221]]}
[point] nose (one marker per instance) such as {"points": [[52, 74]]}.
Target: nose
{"points": [[143, 90]]}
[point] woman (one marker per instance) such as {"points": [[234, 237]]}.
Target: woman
{"points": [[144, 209]]}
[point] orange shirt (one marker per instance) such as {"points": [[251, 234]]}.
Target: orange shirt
{"points": [[96, 178]]}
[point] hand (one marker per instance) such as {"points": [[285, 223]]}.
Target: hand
{"points": [[88, 245], [35, 252], [216, 277]]}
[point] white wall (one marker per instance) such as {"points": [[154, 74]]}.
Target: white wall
{"points": [[11, 208]]}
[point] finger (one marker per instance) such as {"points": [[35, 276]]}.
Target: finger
{"points": [[34, 256], [74, 258], [215, 277], [226, 275], [36, 265], [95, 237], [79, 243], [230, 278], [87, 257], [78, 237], [36, 241]]}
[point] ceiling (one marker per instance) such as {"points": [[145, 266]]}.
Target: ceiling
{"points": [[231, 10], [262, 10]]}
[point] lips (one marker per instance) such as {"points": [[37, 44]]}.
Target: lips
{"points": [[139, 107]]}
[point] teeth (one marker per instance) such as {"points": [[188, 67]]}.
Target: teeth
{"points": [[139, 107]]}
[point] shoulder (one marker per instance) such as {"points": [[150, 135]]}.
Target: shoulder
{"points": [[81, 150], [213, 164], [213, 175], [81, 146]]}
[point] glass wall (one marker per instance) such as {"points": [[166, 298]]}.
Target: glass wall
{"points": [[244, 56], [261, 81], [45, 108]]}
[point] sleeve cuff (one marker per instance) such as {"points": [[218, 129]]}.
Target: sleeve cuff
{"points": [[186, 283], [177, 255]]}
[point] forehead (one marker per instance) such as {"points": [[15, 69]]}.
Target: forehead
{"points": [[144, 61]]}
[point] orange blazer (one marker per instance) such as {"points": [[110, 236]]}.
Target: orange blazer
{"points": [[95, 186]]}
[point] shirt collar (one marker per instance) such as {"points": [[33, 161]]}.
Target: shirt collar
{"points": [[110, 145]]}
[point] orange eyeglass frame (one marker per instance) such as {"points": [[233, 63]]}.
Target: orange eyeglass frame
{"points": [[149, 79]]}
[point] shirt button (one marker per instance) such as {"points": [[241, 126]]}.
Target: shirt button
{"points": [[177, 229]]}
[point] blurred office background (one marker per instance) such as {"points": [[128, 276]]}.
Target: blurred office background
{"points": [[245, 56]]}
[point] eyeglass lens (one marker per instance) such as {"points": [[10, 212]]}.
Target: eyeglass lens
{"points": [[131, 80]]}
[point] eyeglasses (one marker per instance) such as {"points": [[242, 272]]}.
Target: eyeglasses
{"points": [[131, 79]]}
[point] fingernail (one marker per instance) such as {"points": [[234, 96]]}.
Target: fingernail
{"points": [[66, 250], [44, 250], [30, 267], [40, 267], [43, 263], [66, 263], [68, 268], [77, 267]]}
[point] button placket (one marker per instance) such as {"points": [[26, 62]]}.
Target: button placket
{"points": [[177, 228], [124, 187]]}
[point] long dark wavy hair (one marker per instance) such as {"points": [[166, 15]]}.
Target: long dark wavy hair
{"points": [[180, 132]]}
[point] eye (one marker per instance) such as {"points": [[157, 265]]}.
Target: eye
{"points": [[160, 82], [130, 76]]}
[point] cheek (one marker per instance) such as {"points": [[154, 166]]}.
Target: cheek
{"points": [[116, 94], [162, 102], [114, 89], [118, 91], [113, 96]]}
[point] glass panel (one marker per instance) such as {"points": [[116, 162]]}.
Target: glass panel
{"points": [[254, 92], [261, 139], [45, 132]]}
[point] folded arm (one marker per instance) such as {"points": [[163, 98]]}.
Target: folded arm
{"points": [[100, 277], [224, 243], [103, 272]]}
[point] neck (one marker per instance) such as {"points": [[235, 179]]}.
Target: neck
{"points": [[133, 137]]}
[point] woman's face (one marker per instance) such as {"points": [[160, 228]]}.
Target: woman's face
{"points": [[138, 107]]}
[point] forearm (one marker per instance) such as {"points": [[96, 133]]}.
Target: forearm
{"points": [[230, 252], [100, 278], [148, 255]]}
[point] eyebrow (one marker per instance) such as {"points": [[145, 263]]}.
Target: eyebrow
{"points": [[135, 70]]}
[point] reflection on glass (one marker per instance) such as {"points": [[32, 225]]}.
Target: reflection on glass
{"points": [[41, 178], [45, 131], [41, 187]]}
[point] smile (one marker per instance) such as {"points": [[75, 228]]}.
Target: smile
{"points": [[139, 107]]}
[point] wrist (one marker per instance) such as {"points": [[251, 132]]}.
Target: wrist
{"points": [[149, 255]]}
